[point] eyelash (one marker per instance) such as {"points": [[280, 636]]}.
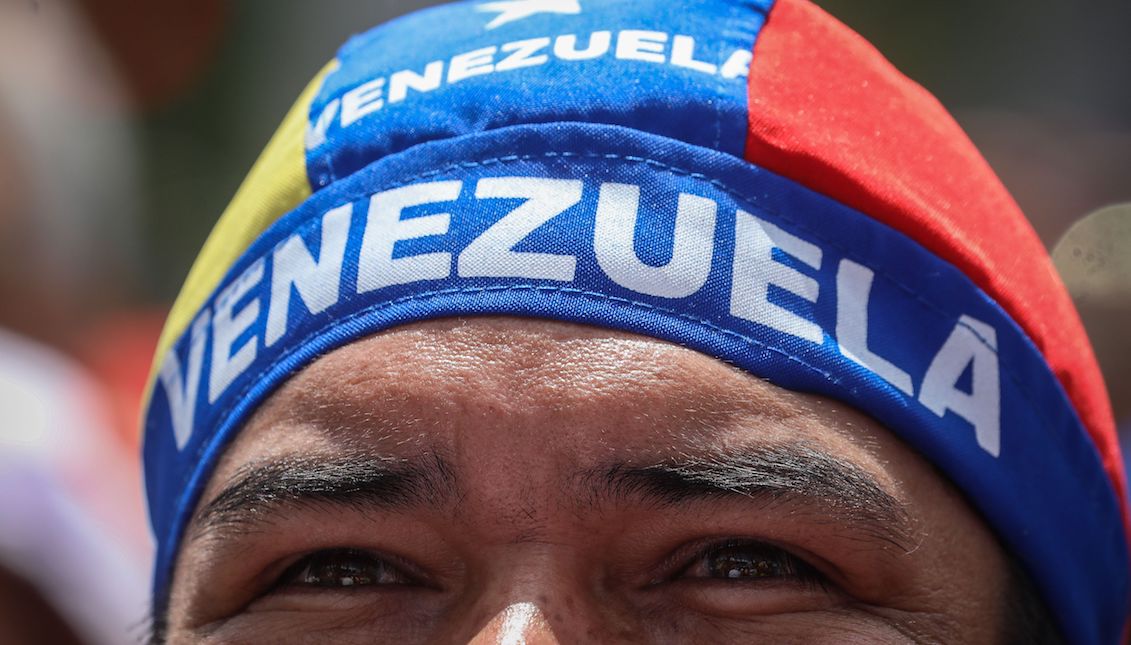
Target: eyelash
{"points": [[772, 564], [349, 564], [769, 564]]}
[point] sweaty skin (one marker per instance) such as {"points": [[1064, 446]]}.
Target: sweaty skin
{"points": [[495, 480]]}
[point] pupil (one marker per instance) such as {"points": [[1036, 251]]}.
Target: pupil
{"points": [[739, 563], [341, 572]]}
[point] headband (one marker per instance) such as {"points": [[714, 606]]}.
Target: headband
{"points": [[746, 179]]}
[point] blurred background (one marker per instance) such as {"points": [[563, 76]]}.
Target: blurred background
{"points": [[125, 127]]}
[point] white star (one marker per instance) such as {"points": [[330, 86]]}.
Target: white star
{"points": [[512, 10]]}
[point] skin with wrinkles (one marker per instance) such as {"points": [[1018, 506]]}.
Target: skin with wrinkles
{"points": [[503, 480]]}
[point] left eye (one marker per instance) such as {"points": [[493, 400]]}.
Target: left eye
{"points": [[744, 561], [342, 568]]}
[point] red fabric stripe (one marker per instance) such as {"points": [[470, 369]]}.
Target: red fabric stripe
{"points": [[830, 112]]}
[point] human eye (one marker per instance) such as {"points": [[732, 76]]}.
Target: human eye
{"points": [[343, 569], [742, 578], [749, 561], [341, 580]]}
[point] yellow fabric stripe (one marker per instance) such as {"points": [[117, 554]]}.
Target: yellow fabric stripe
{"points": [[276, 184]]}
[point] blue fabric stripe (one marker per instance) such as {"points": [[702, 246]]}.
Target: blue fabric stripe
{"points": [[648, 81]]}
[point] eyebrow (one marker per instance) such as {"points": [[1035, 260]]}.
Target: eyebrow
{"points": [[360, 480], [796, 475], [808, 480]]}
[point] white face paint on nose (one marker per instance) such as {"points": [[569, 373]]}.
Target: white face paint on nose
{"points": [[519, 624]]}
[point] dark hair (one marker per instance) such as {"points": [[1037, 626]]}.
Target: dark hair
{"points": [[158, 621], [1026, 619]]}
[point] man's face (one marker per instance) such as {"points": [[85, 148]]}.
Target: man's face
{"points": [[499, 480]]}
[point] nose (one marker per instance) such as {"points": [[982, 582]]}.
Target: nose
{"points": [[519, 624]]}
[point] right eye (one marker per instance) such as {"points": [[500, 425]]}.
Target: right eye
{"points": [[750, 561], [343, 568]]}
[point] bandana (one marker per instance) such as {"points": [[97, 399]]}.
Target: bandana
{"points": [[747, 179]]}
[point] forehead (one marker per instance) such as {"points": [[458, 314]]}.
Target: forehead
{"points": [[525, 389]]}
